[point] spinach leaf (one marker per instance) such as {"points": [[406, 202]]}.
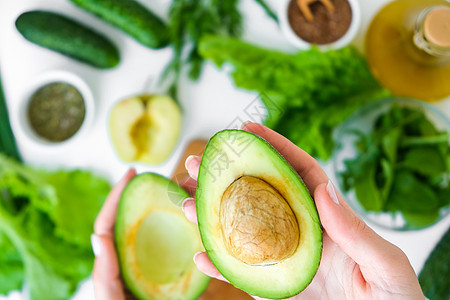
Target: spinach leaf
{"points": [[389, 143], [410, 194], [427, 161], [402, 166]]}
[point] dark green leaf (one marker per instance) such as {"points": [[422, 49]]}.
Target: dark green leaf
{"points": [[420, 219], [424, 160], [362, 172], [387, 178], [410, 194], [389, 143]]}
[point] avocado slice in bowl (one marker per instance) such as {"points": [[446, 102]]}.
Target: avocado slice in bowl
{"points": [[155, 242], [257, 220]]}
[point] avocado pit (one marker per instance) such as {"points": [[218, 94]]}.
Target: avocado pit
{"points": [[258, 225]]}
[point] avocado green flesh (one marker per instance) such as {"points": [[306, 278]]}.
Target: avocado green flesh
{"points": [[158, 242], [229, 155], [155, 242]]}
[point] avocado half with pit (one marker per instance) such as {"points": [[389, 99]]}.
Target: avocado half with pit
{"points": [[257, 220], [155, 242]]}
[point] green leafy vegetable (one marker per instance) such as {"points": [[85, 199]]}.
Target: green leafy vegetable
{"points": [[392, 174], [190, 21], [7, 142], [309, 92], [11, 266], [82, 192], [435, 275], [426, 160], [47, 218]]}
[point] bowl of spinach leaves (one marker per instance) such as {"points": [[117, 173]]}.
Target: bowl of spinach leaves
{"points": [[392, 161]]}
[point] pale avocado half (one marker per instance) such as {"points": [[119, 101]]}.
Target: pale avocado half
{"points": [[145, 128], [155, 242], [257, 220]]}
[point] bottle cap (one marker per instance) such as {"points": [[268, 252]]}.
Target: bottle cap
{"points": [[437, 26]]}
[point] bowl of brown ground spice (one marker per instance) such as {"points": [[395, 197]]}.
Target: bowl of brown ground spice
{"points": [[325, 23]]}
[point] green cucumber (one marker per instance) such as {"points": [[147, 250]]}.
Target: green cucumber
{"points": [[435, 275], [132, 18], [7, 142], [68, 37]]}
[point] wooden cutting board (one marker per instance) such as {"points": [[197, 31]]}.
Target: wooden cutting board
{"points": [[217, 290]]}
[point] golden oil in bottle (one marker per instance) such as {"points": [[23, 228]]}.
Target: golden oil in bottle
{"points": [[408, 48]]}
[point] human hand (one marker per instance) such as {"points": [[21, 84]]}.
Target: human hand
{"points": [[356, 262], [108, 283]]}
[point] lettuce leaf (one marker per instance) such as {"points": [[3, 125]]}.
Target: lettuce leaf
{"points": [[83, 195], [48, 217], [313, 91], [11, 266]]}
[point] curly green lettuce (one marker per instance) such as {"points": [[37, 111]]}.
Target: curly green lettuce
{"points": [[313, 91]]}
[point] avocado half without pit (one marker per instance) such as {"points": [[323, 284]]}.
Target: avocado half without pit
{"points": [[145, 128], [155, 242], [257, 220]]}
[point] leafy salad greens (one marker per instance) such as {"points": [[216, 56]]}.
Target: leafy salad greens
{"points": [[46, 219], [402, 165], [313, 91], [190, 21]]}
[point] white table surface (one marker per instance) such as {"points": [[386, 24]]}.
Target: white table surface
{"points": [[209, 105]]}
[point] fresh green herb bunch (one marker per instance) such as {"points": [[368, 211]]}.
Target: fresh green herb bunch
{"points": [[402, 165], [190, 21]]}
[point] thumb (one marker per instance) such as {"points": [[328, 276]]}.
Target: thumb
{"points": [[106, 275], [349, 231]]}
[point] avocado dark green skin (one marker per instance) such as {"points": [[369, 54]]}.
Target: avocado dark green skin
{"points": [[435, 275], [131, 17], [68, 37]]}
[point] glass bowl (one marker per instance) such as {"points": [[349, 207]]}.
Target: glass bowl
{"points": [[363, 121]]}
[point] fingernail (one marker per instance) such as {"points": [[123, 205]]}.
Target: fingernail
{"points": [[245, 124], [195, 256], [188, 161], [96, 245], [183, 204], [192, 159], [332, 192]]}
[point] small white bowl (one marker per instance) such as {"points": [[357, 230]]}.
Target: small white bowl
{"points": [[53, 77], [298, 42]]}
